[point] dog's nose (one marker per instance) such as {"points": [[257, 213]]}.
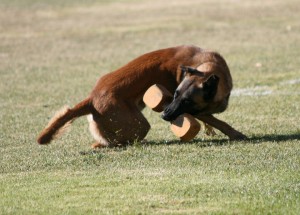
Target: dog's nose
{"points": [[167, 116], [164, 116]]}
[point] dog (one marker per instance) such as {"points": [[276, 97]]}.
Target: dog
{"points": [[199, 79]]}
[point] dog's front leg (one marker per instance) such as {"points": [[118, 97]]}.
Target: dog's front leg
{"points": [[222, 126]]}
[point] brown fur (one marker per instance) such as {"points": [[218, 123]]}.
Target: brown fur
{"points": [[115, 102], [60, 131]]}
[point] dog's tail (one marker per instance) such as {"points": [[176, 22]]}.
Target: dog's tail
{"points": [[62, 120]]}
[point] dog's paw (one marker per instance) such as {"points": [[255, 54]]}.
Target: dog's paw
{"points": [[209, 130], [97, 146], [238, 136]]}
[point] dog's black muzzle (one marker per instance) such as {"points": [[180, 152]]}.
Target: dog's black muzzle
{"points": [[172, 111], [178, 107]]}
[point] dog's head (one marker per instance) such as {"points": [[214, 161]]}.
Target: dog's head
{"points": [[195, 95]]}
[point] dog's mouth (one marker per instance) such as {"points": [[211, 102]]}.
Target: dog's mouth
{"points": [[179, 107], [167, 117], [171, 114]]}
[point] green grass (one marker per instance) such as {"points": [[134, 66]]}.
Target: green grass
{"points": [[53, 52]]}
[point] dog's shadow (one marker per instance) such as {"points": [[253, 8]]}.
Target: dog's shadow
{"points": [[256, 139], [274, 138]]}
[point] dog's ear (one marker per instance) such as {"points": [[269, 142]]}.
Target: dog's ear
{"points": [[186, 70], [210, 87]]}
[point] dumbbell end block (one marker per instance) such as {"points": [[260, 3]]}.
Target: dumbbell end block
{"points": [[156, 97], [186, 127]]}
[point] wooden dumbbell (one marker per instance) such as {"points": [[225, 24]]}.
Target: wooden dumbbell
{"points": [[185, 126]]}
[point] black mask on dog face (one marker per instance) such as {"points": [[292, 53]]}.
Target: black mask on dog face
{"points": [[193, 94]]}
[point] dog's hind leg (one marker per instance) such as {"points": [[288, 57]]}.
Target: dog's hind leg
{"points": [[119, 125], [95, 131]]}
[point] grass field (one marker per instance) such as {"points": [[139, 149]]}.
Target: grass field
{"points": [[53, 52]]}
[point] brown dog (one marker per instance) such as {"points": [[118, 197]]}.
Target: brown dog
{"points": [[200, 79]]}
